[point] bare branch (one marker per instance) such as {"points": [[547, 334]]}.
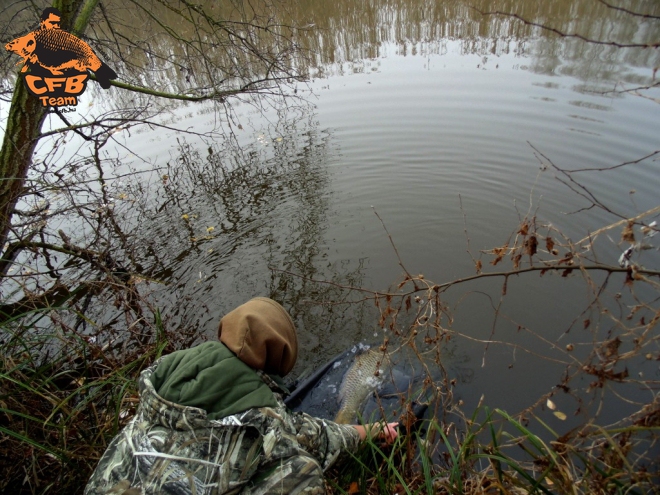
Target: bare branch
{"points": [[619, 223], [602, 169], [621, 9], [410, 277], [445, 285], [567, 35], [216, 95]]}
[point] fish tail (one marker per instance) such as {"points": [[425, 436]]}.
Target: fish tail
{"points": [[104, 74]]}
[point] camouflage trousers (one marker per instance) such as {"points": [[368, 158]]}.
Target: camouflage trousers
{"points": [[299, 474]]}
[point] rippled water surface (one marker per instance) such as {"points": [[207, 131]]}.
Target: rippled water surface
{"points": [[444, 123], [412, 121]]}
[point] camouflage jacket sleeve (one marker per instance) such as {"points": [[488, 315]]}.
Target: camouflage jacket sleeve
{"points": [[325, 440]]}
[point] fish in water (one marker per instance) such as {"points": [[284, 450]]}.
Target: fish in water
{"points": [[361, 379]]}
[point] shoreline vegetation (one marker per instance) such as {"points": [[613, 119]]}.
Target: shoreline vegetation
{"points": [[79, 317], [64, 396]]}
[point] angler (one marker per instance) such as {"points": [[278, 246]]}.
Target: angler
{"points": [[212, 419]]}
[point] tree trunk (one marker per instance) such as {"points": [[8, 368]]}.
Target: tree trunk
{"points": [[26, 115], [23, 125]]}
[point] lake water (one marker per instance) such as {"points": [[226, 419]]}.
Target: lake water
{"points": [[442, 121]]}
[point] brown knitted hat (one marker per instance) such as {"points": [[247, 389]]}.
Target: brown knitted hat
{"points": [[261, 333]]}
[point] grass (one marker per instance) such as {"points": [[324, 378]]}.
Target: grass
{"points": [[60, 406], [498, 454], [63, 397]]}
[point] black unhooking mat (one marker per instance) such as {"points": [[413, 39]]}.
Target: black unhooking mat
{"points": [[318, 395]]}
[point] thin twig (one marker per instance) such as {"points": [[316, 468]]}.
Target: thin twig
{"points": [[410, 277], [446, 285], [631, 12], [567, 35], [602, 169], [634, 219]]}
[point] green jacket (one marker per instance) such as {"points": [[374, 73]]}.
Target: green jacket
{"points": [[174, 448], [212, 378]]}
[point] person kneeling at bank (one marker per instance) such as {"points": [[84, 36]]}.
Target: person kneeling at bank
{"points": [[211, 419]]}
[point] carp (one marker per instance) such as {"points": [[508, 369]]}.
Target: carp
{"points": [[362, 378], [56, 51], [24, 48]]}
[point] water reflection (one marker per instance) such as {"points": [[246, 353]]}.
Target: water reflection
{"points": [[179, 51], [221, 216], [291, 194], [355, 31]]}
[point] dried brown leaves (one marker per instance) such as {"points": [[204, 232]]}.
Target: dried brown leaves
{"points": [[627, 234]]}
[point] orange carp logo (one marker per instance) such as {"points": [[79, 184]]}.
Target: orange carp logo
{"points": [[56, 63]]}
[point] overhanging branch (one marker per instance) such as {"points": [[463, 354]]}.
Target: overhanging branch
{"points": [[567, 35], [505, 274]]}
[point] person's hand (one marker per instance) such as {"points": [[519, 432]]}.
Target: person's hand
{"points": [[388, 433], [382, 431]]}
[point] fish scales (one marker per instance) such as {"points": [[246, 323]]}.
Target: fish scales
{"points": [[57, 51], [72, 52], [362, 378]]}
